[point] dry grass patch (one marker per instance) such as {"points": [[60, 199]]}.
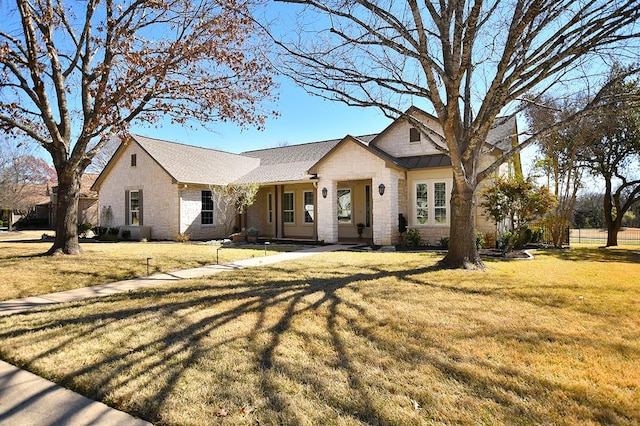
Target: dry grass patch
{"points": [[358, 338], [25, 272]]}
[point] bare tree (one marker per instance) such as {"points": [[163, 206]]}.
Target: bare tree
{"points": [[72, 74], [467, 61], [230, 200], [21, 177], [559, 157]]}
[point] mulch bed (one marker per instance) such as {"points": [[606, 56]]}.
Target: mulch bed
{"points": [[493, 253]]}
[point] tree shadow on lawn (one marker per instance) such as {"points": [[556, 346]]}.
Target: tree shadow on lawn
{"points": [[324, 350], [595, 254]]}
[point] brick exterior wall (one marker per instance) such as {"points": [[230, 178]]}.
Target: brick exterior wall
{"points": [[160, 207]]}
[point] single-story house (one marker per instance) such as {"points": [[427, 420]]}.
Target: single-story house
{"points": [[87, 201], [316, 191]]}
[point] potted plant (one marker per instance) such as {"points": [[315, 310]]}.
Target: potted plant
{"points": [[360, 227]]}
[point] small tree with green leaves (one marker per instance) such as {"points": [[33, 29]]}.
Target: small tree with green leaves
{"points": [[516, 202]]}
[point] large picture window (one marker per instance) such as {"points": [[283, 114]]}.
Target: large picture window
{"points": [[344, 206], [431, 203], [288, 210], [308, 207], [206, 213]]}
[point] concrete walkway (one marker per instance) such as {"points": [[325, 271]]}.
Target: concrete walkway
{"points": [[26, 399]]}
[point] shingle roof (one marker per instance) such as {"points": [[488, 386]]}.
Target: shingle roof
{"points": [[289, 163], [501, 132], [192, 164]]}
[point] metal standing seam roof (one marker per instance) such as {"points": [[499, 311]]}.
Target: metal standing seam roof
{"points": [[196, 165]]}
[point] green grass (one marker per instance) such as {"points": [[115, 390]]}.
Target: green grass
{"points": [[358, 338], [25, 272]]}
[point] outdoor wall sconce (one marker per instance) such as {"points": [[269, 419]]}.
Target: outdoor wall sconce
{"points": [[324, 192], [381, 189]]}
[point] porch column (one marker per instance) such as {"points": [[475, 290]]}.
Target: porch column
{"points": [[385, 208], [327, 218]]}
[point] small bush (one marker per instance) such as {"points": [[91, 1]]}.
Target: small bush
{"points": [[479, 240], [83, 228], [100, 231], [414, 237], [114, 231], [444, 242], [126, 235], [183, 237]]}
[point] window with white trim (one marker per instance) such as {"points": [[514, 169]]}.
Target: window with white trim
{"points": [[269, 207], [431, 203], [344, 206], [422, 203], [440, 202], [134, 207], [288, 209], [308, 206]]}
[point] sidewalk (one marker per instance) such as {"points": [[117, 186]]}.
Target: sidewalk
{"points": [[26, 399], [10, 307]]}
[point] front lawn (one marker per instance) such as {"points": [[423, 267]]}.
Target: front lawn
{"points": [[25, 272], [358, 338]]}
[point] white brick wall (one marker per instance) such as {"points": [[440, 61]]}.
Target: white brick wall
{"points": [[160, 194], [395, 141], [190, 216], [353, 162]]}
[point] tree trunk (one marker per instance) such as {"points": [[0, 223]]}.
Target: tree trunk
{"points": [[66, 226], [463, 252], [612, 233], [611, 204]]}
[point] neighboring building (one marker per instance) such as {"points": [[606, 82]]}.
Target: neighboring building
{"points": [[316, 191], [87, 202]]}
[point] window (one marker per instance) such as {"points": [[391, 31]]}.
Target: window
{"points": [[288, 212], [308, 207], [206, 213], [134, 207], [422, 203], [134, 160], [344, 206], [440, 202], [431, 203], [414, 135], [270, 207]]}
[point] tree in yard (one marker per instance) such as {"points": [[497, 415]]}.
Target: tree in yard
{"points": [[230, 200], [588, 210], [73, 74], [558, 157], [21, 174], [516, 202], [613, 153], [468, 61]]}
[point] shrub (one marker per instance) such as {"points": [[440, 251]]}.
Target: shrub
{"points": [[183, 237], [444, 242], [479, 240], [114, 231], [414, 237], [83, 228], [126, 235]]}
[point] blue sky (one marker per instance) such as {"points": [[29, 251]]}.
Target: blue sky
{"points": [[303, 118]]}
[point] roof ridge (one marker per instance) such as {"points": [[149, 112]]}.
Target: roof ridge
{"points": [[134, 135], [306, 143]]}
